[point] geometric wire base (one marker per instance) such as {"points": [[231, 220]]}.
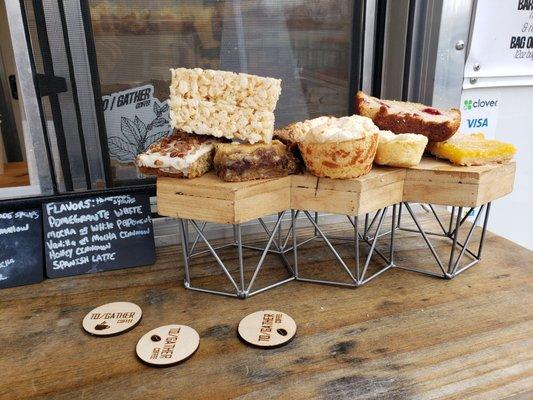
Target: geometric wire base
{"points": [[452, 267], [242, 289], [357, 275]]}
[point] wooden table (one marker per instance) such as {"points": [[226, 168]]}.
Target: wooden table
{"points": [[402, 336], [14, 174]]}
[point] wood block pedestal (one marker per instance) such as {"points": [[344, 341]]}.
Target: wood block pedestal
{"points": [[212, 200]]}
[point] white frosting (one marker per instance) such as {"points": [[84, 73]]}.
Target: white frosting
{"points": [[170, 164], [330, 129], [388, 136]]}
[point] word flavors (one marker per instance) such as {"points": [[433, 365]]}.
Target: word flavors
{"points": [[168, 347], [266, 326], [59, 208]]}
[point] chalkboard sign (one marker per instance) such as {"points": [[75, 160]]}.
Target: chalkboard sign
{"points": [[21, 251], [97, 234]]}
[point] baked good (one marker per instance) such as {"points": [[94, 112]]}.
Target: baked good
{"points": [[473, 149], [221, 120], [236, 162], [243, 90], [339, 148], [402, 150], [406, 117], [224, 104], [287, 136], [180, 155]]}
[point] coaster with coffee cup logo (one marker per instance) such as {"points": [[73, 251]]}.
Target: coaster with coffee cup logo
{"points": [[167, 345], [112, 318], [267, 329]]}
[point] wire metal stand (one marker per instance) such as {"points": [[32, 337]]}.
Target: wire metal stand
{"points": [[358, 274], [242, 289], [451, 231]]}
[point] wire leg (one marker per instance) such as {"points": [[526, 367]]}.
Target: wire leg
{"points": [[294, 243], [191, 251], [484, 230], [328, 243], [374, 241], [356, 248], [185, 251], [399, 216], [455, 234], [215, 255], [437, 218], [238, 233], [265, 252], [424, 236], [467, 240], [391, 245]]}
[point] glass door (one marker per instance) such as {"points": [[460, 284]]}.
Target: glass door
{"points": [[97, 92], [308, 44], [23, 163]]}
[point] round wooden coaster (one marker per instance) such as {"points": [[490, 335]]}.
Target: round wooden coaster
{"points": [[112, 318], [168, 345], [267, 328]]}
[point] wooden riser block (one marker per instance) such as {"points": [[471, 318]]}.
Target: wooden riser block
{"points": [[436, 182], [210, 199], [380, 188]]}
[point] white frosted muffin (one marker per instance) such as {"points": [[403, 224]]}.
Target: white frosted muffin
{"points": [[403, 150], [339, 148]]}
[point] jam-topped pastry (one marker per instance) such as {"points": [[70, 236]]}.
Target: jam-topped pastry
{"points": [[406, 117]]}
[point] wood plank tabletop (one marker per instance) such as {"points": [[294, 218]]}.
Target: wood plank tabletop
{"points": [[401, 336], [14, 174]]}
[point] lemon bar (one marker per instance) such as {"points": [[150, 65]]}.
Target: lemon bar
{"points": [[473, 149]]}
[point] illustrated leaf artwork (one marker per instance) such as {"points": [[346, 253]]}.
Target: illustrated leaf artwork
{"points": [[128, 128], [136, 136], [159, 121], [121, 149], [164, 109], [141, 127], [158, 110]]}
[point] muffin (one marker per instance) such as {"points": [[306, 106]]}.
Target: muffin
{"points": [[403, 150], [339, 148]]}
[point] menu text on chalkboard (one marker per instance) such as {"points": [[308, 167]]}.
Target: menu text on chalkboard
{"points": [[21, 254], [97, 234]]}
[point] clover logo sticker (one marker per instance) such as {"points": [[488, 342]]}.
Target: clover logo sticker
{"points": [[467, 105]]}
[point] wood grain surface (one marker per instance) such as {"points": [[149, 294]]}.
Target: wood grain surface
{"points": [[402, 336], [208, 198], [14, 174]]}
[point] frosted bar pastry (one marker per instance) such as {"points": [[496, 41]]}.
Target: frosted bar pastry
{"points": [[180, 156]]}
